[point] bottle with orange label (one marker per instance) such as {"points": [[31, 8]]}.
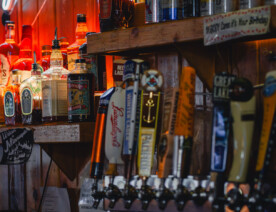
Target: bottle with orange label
{"points": [[73, 49], [9, 53]]}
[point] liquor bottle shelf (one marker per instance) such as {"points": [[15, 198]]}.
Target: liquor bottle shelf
{"points": [[155, 35], [59, 132]]}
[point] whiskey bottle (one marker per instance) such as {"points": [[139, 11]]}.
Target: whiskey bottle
{"points": [[9, 52], [54, 87], [31, 97], [106, 22], [45, 59], [12, 109], [80, 93], [73, 50], [90, 60], [24, 63]]}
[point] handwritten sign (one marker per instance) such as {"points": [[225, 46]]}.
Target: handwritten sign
{"points": [[232, 25], [17, 145]]}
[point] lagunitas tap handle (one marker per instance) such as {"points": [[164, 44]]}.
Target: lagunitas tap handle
{"points": [[243, 108], [152, 82], [97, 157], [114, 134], [184, 130]]}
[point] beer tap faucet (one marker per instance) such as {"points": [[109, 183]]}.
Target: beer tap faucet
{"points": [[132, 71], [97, 156], [258, 199], [243, 107], [151, 82], [184, 130], [220, 136]]}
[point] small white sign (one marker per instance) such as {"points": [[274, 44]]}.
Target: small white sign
{"points": [[232, 25]]}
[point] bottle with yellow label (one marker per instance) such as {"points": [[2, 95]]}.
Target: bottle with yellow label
{"points": [[80, 93]]}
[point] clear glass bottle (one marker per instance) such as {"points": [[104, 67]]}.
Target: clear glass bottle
{"points": [[24, 63], [31, 97], [54, 87], [9, 52], [80, 93], [73, 50], [12, 107], [45, 59]]}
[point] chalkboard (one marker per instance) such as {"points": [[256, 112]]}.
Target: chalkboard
{"points": [[17, 145]]}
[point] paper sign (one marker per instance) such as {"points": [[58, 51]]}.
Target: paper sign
{"points": [[17, 145], [232, 25]]}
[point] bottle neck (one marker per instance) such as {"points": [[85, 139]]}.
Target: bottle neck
{"points": [[80, 68], [56, 59], [10, 35], [81, 31], [15, 79]]}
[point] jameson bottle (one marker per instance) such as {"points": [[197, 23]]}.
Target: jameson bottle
{"points": [[9, 52], [31, 97], [12, 108], [54, 87], [24, 63], [80, 93], [73, 50]]}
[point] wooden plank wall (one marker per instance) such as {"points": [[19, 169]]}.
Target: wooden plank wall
{"points": [[246, 59]]}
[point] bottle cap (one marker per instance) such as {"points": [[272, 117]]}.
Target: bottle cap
{"points": [[55, 43], [80, 61], [81, 18]]}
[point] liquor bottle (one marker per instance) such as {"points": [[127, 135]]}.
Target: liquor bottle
{"points": [[247, 4], [12, 109], [63, 47], [169, 10], [206, 7], [193, 8], [9, 52], [80, 93], [153, 11], [106, 23], [224, 6], [24, 63], [31, 97], [73, 49], [90, 60], [45, 59], [54, 87], [2, 117]]}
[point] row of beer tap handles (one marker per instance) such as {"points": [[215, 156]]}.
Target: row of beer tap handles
{"points": [[127, 128]]}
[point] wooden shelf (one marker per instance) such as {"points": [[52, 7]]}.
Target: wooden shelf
{"points": [[153, 35], [59, 132]]}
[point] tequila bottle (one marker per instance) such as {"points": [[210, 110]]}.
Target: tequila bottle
{"points": [[31, 97], [80, 93], [73, 50], [9, 52], [12, 109], [24, 63], [54, 87]]}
